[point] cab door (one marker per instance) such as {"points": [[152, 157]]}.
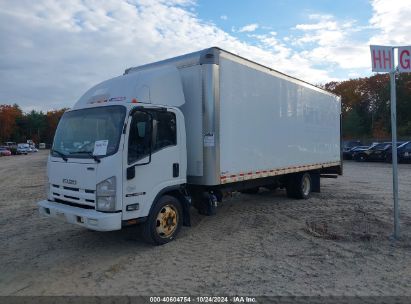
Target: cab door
{"points": [[152, 160]]}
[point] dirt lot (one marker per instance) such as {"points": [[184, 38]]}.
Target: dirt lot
{"points": [[266, 244]]}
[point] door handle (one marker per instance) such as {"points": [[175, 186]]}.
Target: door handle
{"points": [[176, 170]]}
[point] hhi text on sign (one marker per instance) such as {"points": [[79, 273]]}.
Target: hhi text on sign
{"points": [[383, 58]]}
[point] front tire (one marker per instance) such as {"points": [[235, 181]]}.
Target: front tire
{"points": [[164, 221]]}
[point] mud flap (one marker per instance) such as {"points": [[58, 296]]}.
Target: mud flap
{"points": [[315, 182], [186, 204], [185, 201]]}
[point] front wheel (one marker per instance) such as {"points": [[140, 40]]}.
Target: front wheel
{"points": [[164, 221]]}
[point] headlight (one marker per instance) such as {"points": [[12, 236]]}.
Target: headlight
{"points": [[48, 192], [106, 195]]}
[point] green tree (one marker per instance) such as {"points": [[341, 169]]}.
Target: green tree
{"points": [[9, 116], [353, 125], [35, 125]]}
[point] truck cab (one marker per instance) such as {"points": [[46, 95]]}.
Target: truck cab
{"points": [[118, 151]]}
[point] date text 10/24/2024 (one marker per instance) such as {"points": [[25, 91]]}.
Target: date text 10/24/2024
{"points": [[203, 299]]}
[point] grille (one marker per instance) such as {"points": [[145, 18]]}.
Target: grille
{"points": [[74, 196]]}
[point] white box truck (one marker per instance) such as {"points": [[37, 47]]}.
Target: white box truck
{"points": [[143, 147]]}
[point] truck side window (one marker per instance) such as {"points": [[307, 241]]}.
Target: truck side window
{"points": [[166, 130], [139, 138], [165, 134]]}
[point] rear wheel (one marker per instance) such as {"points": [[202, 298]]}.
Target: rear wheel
{"points": [[164, 221], [299, 186]]}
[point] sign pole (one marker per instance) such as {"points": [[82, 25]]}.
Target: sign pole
{"points": [[394, 154], [382, 59]]}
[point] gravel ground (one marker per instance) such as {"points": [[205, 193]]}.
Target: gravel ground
{"points": [[335, 243]]}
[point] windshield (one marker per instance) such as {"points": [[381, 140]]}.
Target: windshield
{"points": [[93, 131]]}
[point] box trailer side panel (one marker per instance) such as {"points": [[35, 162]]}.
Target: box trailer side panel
{"points": [[270, 122]]}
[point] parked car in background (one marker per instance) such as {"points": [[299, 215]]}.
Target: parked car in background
{"points": [[403, 153], [372, 153], [349, 154], [349, 144], [23, 149], [377, 152], [4, 151], [32, 146], [11, 146]]}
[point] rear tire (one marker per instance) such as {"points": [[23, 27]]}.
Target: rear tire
{"points": [[299, 186], [164, 221]]}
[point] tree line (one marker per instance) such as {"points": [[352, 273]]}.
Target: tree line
{"points": [[365, 112], [17, 126]]}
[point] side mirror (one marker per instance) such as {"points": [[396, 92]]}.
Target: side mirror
{"points": [[131, 172]]}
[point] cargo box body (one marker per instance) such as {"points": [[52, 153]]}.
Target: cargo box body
{"points": [[246, 121]]}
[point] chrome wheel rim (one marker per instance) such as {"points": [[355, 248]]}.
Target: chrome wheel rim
{"points": [[166, 222]]}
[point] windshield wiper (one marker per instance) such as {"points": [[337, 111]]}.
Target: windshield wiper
{"points": [[97, 159], [63, 156]]}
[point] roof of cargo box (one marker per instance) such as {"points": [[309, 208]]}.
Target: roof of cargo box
{"points": [[212, 56]]}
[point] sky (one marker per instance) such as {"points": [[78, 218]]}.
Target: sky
{"points": [[52, 51]]}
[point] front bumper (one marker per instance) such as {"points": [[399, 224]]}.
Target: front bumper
{"points": [[90, 219]]}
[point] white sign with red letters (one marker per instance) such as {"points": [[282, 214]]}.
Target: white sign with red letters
{"points": [[404, 59], [382, 58]]}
